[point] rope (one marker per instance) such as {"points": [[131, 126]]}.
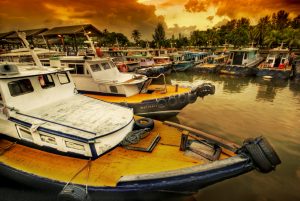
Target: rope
{"points": [[135, 136], [78, 172]]}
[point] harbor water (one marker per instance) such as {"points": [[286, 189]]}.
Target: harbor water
{"points": [[240, 108]]}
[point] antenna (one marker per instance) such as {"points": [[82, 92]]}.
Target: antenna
{"points": [[22, 36]]}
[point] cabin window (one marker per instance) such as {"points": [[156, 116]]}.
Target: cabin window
{"points": [[46, 81], [231, 55], [20, 87], [113, 89], [95, 67], [1, 97], [282, 61], [79, 69], [73, 71], [63, 78], [106, 66], [74, 145], [25, 133], [245, 55]]}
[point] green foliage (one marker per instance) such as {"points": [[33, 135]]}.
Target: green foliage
{"points": [[136, 35], [159, 36]]}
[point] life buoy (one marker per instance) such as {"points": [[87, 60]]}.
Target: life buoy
{"points": [[172, 101], [124, 68]]}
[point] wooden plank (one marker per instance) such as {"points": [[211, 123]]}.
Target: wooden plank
{"points": [[221, 142]]}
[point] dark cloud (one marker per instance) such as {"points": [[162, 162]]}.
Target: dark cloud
{"points": [[249, 8], [119, 16]]}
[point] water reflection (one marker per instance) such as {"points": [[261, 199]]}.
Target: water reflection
{"points": [[249, 107]]}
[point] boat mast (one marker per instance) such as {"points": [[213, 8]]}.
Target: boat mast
{"points": [[90, 41], [22, 36]]}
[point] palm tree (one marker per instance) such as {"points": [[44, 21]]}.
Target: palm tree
{"points": [[261, 29], [291, 37], [274, 38], [136, 35], [280, 20], [159, 35]]}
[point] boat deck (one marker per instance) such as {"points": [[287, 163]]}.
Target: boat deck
{"points": [[157, 92], [108, 169]]}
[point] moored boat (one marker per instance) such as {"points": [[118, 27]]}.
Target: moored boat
{"points": [[116, 156], [242, 62], [276, 65], [211, 64]]}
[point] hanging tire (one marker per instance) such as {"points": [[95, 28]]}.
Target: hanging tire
{"points": [[259, 159], [144, 123], [73, 193], [172, 102], [269, 151], [192, 97], [162, 103], [181, 98]]}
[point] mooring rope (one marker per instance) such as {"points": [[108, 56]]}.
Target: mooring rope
{"points": [[78, 172]]}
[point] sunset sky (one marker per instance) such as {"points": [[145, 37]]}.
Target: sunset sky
{"points": [[179, 16]]}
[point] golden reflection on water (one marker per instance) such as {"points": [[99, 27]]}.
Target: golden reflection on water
{"points": [[243, 108]]}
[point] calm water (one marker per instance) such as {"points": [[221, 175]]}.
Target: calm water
{"points": [[241, 108]]}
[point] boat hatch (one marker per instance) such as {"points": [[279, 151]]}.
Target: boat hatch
{"points": [[8, 69]]}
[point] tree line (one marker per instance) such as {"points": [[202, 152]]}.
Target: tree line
{"points": [[270, 31]]}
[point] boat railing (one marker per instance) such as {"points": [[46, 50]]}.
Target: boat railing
{"points": [[165, 84]]}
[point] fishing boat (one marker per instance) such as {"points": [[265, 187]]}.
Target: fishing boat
{"points": [[242, 62], [119, 58], [179, 63], [102, 80], [82, 148], [276, 65], [154, 66], [211, 64]]}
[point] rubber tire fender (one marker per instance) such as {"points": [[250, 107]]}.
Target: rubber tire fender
{"points": [[162, 103], [182, 98], [144, 123], [73, 193], [192, 97], [172, 102], [269, 152], [259, 158]]}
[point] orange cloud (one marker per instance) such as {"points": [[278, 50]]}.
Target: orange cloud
{"points": [[119, 16], [249, 8]]}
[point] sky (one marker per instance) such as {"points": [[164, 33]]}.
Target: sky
{"points": [[178, 16]]}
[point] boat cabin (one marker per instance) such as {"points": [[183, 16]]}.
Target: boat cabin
{"points": [[162, 60], [40, 107], [243, 57], [216, 59], [277, 58], [101, 76]]}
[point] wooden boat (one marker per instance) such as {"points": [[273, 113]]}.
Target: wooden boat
{"points": [[183, 161], [211, 64], [242, 62], [119, 58], [276, 65], [82, 148]]}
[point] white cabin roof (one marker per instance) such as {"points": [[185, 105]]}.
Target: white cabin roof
{"points": [[79, 116], [27, 71]]}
